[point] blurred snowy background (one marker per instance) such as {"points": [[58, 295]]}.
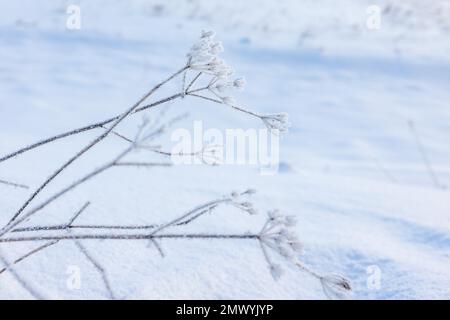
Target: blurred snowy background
{"points": [[351, 170]]}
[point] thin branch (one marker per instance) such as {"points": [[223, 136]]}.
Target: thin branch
{"points": [[191, 212], [114, 227], [75, 184], [19, 279], [158, 247], [143, 164], [196, 216], [36, 250], [13, 184], [92, 144], [77, 214], [51, 243], [129, 237], [93, 126], [206, 98], [193, 81], [64, 227], [97, 266], [119, 135]]}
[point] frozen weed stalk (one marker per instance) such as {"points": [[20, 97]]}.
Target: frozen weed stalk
{"points": [[203, 62]]}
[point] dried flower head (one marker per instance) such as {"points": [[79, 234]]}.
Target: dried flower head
{"points": [[277, 234], [336, 286], [279, 121], [203, 56]]}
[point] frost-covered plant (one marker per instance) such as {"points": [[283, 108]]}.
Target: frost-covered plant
{"points": [[277, 235], [203, 59]]}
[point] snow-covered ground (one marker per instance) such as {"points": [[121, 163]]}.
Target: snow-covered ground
{"points": [[350, 170]]}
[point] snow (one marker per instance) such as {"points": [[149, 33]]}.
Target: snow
{"points": [[350, 169]]}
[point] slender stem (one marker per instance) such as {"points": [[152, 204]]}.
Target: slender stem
{"points": [[129, 237], [195, 214], [13, 184], [191, 93], [51, 243], [65, 190], [195, 210], [64, 227], [206, 98], [84, 129], [93, 143], [143, 164], [20, 280], [42, 247], [97, 266], [119, 135], [158, 247], [77, 214], [193, 81], [307, 269]]}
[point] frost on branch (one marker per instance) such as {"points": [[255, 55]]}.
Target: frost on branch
{"points": [[204, 57], [277, 235]]}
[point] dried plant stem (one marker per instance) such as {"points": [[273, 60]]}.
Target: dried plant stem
{"points": [[143, 164], [20, 280], [306, 269], [87, 177], [82, 249], [93, 143], [66, 226], [183, 220], [203, 208], [129, 237], [42, 247], [97, 266], [111, 227], [101, 124], [193, 81], [13, 184], [219, 101]]}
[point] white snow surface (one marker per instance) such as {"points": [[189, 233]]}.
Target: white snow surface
{"points": [[350, 168]]}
